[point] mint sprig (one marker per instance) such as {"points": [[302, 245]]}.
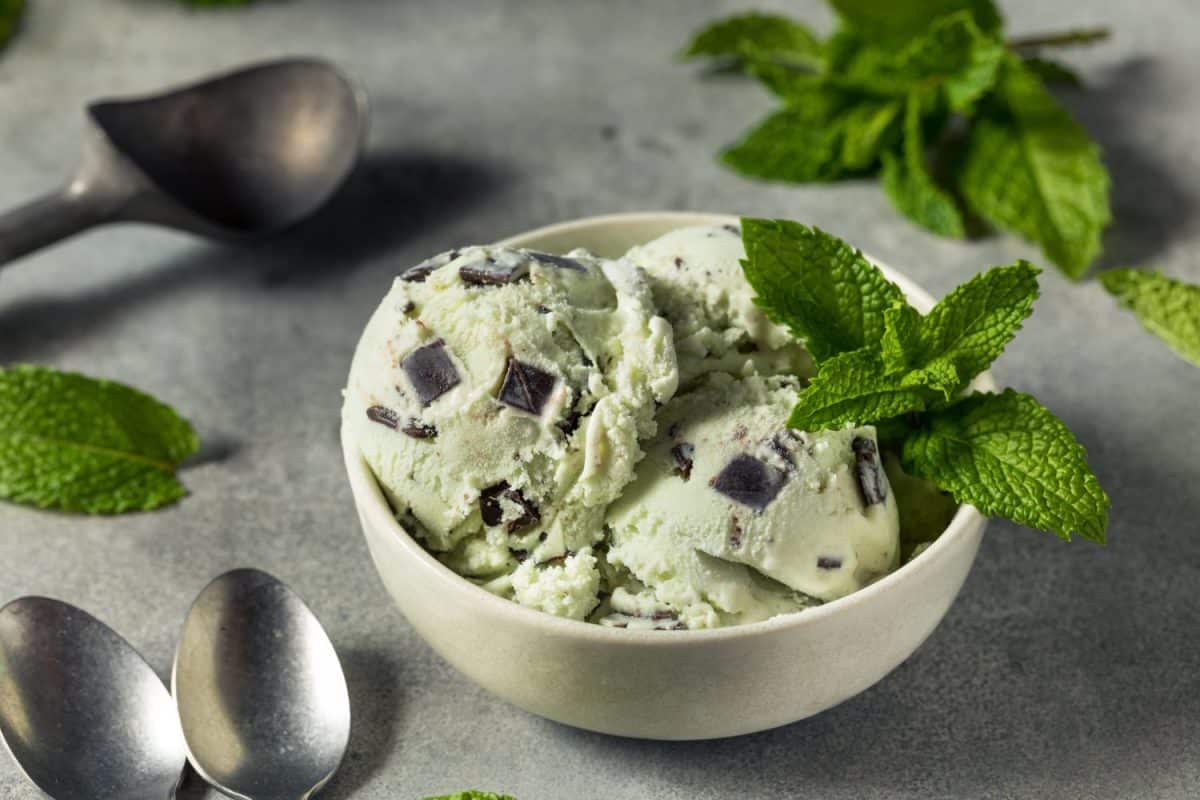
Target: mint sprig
{"points": [[930, 96], [906, 373], [1168, 308], [74, 443]]}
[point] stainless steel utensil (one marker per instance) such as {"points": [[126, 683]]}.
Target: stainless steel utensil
{"points": [[261, 695], [83, 715], [242, 154]]}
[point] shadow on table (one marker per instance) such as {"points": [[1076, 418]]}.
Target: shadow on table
{"points": [[1062, 664], [389, 198], [1150, 204], [376, 703]]}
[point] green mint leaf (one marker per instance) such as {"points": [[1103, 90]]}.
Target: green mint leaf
{"points": [[825, 291], [73, 443], [1030, 168], [10, 18], [1008, 456], [823, 134], [1052, 71], [1169, 309], [756, 37], [910, 186], [896, 22], [472, 794], [853, 388], [971, 326], [953, 56], [900, 345]]}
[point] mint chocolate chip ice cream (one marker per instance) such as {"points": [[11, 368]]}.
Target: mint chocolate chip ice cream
{"points": [[606, 440]]}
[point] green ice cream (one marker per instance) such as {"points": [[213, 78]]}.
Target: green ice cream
{"points": [[504, 399]]}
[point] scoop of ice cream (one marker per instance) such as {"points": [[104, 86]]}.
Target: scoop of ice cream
{"points": [[499, 397], [729, 503], [697, 280]]}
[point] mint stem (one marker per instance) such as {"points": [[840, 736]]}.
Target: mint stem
{"points": [[1078, 36]]}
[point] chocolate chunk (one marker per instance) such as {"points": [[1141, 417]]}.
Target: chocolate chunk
{"points": [[492, 510], [494, 270], [526, 387], [735, 532], [748, 481], [684, 456], [430, 371], [734, 229], [829, 562], [570, 422], [870, 478], [384, 416], [520, 555], [779, 447], [419, 430], [559, 261], [421, 271], [409, 307], [678, 262]]}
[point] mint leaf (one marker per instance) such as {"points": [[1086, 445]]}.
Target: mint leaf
{"points": [[1008, 456], [825, 291], [1169, 309], [73, 443], [953, 56], [10, 18], [756, 37], [823, 134], [472, 794], [900, 345], [853, 388], [911, 187], [970, 327], [1052, 71], [895, 22], [1031, 169]]}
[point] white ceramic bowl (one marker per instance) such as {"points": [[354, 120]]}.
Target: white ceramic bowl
{"points": [[657, 684]]}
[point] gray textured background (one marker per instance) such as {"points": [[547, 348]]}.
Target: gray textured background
{"points": [[1064, 671]]}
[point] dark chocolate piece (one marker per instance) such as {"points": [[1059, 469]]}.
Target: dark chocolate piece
{"points": [[384, 416], [430, 371], [409, 307], [421, 271], [829, 562], [526, 387], [734, 229], [684, 456], [492, 510], [558, 261], [870, 478], [419, 430], [735, 532], [570, 422], [748, 481], [520, 555], [779, 448], [490, 271], [678, 262]]}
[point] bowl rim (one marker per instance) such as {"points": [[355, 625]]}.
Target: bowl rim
{"points": [[376, 511]]}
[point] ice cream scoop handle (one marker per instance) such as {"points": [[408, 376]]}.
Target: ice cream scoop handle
{"points": [[48, 219]]}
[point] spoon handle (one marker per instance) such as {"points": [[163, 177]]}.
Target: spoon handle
{"points": [[49, 219]]}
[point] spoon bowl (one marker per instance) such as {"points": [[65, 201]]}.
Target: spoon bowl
{"points": [[261, 695], [243, 154], [84, 716]]}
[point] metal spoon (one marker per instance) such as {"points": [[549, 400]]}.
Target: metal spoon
{"points": [[261, 695], [242, 154], [83, 715]]}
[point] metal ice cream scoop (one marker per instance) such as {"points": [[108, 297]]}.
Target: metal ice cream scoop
{"points": [[244, 153], [261, 695], [82, 714]]}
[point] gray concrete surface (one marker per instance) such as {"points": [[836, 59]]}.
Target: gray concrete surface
{"points": [[1065, 671]]}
